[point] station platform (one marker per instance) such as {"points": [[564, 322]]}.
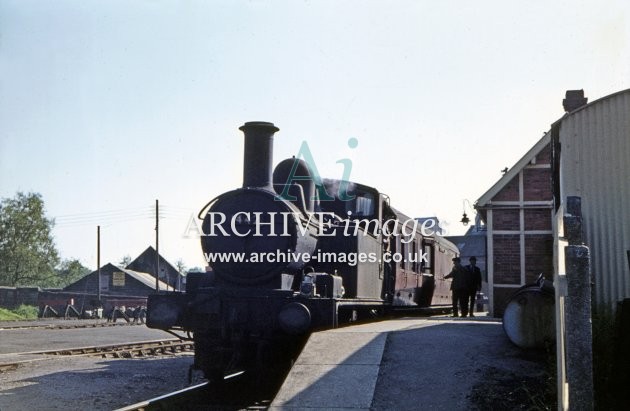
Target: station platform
{"points": [[435, 363]]}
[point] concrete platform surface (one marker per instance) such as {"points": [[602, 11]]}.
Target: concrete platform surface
{"points": [[403, 364]]}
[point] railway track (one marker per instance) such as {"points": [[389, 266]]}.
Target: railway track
{"points": [[234, 393], [64, 326], [126, 350], [170, 400]]}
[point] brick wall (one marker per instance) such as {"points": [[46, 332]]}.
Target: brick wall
{"points": [[537, 219], [507, 259], [537, 184], [11, 297], [506, 220], [509, 192], [538, 257], [544, 156], [520, 235]]}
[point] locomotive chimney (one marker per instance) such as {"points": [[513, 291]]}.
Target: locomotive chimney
{"points": [[258, 156]]}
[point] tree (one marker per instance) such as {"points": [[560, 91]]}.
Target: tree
{"points": [[70, 271], [181, 266], [125, 261], [27, 249]]}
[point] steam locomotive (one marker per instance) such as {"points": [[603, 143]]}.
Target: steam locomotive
{"points": [[290, 253]]}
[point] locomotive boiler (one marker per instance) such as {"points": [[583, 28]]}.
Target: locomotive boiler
{"points": [[289, 253]]}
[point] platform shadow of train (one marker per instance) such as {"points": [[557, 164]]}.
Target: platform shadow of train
{"points": [[431, 364]]}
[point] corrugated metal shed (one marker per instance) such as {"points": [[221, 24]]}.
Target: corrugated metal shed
{"points": [[595, 165], [117, 281]]}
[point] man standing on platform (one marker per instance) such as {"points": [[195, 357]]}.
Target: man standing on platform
{"points": [[459, 287], [474, 282]]}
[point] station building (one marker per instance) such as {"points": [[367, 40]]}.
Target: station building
{"points": [[586, 153], [518, 211]]}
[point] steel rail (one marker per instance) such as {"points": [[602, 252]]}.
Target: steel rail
{"points": [[125, 350], [173, 399]]}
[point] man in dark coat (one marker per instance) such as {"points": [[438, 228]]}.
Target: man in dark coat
{"points": [[459, 287], [474, 282]]}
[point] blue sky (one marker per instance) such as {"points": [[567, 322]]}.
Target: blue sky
{"points": [[106, 106]]}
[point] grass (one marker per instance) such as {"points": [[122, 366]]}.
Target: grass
{"points": [[503, 389], [23, 312]]}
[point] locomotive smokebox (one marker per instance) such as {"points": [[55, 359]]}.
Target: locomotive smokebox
{"points": [[258, 158]]}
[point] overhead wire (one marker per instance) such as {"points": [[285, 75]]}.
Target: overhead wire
{"points": [[110, 217], [100, 214]]}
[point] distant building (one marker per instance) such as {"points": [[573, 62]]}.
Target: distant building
{"points": [[119, 287], [116, 281], [146, 262]]}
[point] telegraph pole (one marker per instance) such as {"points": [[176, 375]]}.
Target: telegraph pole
{"points": [[157, 247], [98, 261]]}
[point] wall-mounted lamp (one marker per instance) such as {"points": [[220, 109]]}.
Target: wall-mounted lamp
{"points": [[465, 220]]}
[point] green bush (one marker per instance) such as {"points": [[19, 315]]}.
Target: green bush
{"points": [[23, 312], [7, 315], [27, 312]]}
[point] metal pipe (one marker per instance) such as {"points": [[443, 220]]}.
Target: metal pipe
{"points": [[98, 261], [157, 246]]}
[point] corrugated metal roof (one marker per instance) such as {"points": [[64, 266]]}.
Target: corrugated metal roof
{"points": [[145, 262], [594, 165], [145, 278]]}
